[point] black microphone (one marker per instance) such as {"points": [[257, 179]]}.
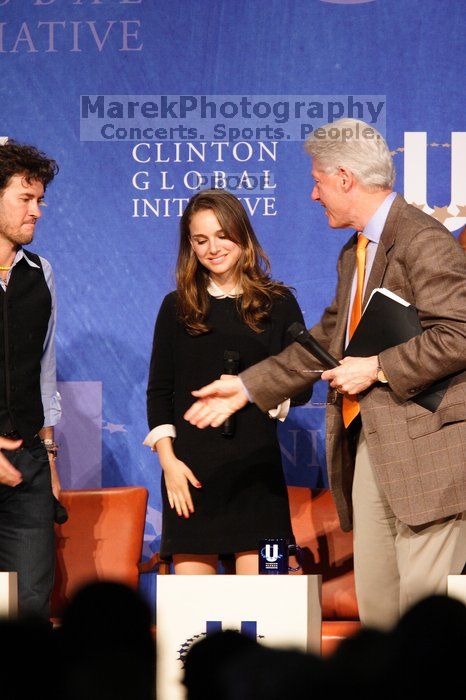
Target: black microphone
{"points": [[230, 366], [299, 333]]}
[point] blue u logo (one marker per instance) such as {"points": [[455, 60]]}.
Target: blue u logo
{"points": [[248, 627]]}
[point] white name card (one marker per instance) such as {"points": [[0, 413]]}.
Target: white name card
{"points": [[279, 611]]}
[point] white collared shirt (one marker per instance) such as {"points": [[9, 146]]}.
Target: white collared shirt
{"points": [[215, 291]]}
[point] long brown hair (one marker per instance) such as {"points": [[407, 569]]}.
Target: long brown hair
{"points": [[252, 269]]}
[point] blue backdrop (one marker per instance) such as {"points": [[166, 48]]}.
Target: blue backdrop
{"points": [[142, 101]]}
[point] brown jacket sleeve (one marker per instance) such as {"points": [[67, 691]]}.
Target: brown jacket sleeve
{"points": [[282, 376], [435, 266]]}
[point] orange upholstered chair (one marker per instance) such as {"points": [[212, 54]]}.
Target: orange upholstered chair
{"points": [[102, 539], [327, 550]]}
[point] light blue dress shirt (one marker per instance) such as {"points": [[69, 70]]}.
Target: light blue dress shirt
{"points": [[48, 371]]}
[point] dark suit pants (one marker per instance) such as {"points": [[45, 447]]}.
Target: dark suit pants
{"points": [[26, 530]]}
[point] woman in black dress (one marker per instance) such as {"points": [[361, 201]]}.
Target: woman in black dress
{"points": [[220, 494]]}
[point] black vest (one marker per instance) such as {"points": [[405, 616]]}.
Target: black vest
{"points": [[25, 310]]}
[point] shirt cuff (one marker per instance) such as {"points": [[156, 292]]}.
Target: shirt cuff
{"points": [[245, 390], [52, 409], [161, 431], [281, 411]]}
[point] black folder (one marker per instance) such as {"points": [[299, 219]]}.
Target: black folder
{"points": [[384, 324]]}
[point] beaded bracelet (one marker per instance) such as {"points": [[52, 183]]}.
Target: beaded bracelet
{"points": [[51, 447]]}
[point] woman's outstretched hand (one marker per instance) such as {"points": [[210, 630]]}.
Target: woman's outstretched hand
{"points": [[216, 402]]}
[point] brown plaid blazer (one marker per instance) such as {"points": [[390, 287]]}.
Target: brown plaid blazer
{"points": [[419, 457]]}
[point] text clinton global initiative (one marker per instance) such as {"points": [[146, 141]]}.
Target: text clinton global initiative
{"points": [[70, 36]]}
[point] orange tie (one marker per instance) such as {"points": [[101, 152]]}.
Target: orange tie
{"points": [[350, 406]]}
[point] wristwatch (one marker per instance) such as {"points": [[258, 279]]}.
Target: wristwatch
{"points": [[380, 375]]}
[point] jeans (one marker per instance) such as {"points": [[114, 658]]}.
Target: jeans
{"points": [[26, 529]]}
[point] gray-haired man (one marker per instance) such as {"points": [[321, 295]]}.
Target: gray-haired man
{"points": [[396, 470]]}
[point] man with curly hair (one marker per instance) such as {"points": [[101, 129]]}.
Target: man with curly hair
{"points": [[29, 401]]}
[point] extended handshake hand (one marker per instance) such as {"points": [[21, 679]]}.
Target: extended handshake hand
{"points": [[216, 402]]}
